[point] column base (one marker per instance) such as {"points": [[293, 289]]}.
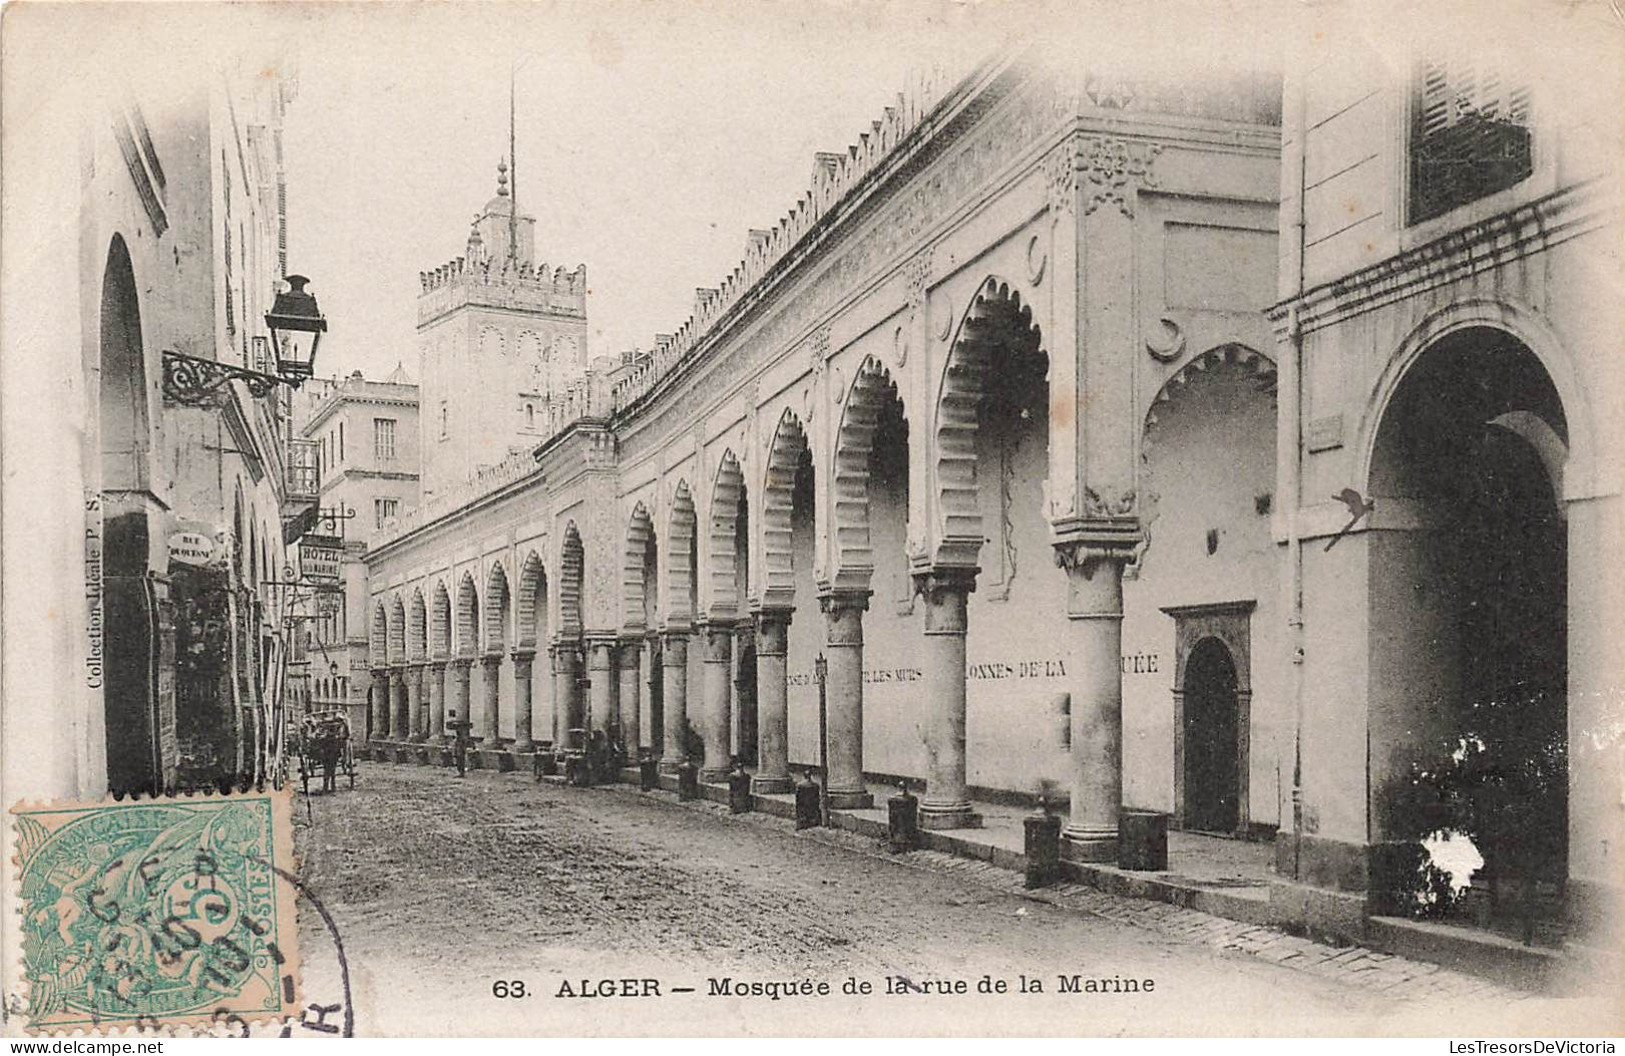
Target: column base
{"points": [[524, 746], [949, 817], [850, 800], [770, 786], [715, 774], [1089, 845], [667, 766]]}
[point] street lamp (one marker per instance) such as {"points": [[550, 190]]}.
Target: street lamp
{"points": [[821, 676], [296, 326]]}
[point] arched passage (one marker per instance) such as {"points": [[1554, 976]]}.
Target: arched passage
{"points": [[681, 544], [1212, 778], [727, 573], [1468, 574], [636, 581], [571, 708], [417, 626], [572, 558], [530, 629], [378, 636], [133, 710], [440, 625], [680, 601], [496, 609], [725, 531], [397, 631], [468, 617], [870, 477], [785, 454], [991, 457], [1209, 561]]}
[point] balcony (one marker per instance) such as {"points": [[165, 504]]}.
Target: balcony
{"points": [[303, 490]]}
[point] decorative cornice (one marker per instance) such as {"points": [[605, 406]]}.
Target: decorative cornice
{"points": [[1472, 249]]}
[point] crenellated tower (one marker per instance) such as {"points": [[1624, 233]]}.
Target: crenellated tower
{"points": [[501, 339]]}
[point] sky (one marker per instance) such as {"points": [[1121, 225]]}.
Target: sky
{"points": [[651, 137]]}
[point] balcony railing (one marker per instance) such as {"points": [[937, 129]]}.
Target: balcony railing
{"points": [[304, 485]]}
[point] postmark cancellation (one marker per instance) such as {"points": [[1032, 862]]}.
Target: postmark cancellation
{"points": [[152, 913]]}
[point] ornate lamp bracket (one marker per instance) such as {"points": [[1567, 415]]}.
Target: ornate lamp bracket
{"points": [[196, 382]]}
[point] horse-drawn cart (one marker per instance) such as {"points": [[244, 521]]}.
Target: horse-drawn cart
{"points": [[325, 749]]}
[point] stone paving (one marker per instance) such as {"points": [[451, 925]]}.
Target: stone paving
{"points": [[1356, 965]]}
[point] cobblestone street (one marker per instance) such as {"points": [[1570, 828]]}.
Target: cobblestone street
{"points": [[439, 887]]}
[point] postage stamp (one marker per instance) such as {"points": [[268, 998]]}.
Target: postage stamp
{"points": [[157, 912]]}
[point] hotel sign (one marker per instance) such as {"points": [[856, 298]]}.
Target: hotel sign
{"points": [[320, 557]]}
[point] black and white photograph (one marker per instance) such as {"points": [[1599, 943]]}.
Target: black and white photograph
{"points": [[689, 518]]}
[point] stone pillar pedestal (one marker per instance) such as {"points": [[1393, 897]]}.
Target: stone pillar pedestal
{"points": [[629, 703], [1095, 605], [946, 803], [843, 623], [437, 702], [605, 714], [490, 693], [715, 725], [400, 711], [414, 702], [380, 704], [457, 691], [522, 663], [674, 691], [772, 703]]}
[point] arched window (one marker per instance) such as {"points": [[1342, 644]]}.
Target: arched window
{"points": [[530, 417]]}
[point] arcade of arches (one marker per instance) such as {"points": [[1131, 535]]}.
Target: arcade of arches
{"points": [[1042, 494]]}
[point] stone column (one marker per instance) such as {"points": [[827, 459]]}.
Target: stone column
{"points": [[522, 663], [458, 690], [946, 803], [569, 710], [380, 703], [843, 623], [674, 689], [604, 689], [399, 714], [714, 716], [491, 689], [772, 702], [437, 702], [1094, 602], [653, 721], [414, 702], [631, 649]]}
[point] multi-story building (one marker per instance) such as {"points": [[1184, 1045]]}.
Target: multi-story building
{"points": [[1449, 327], [365, 436], [162, 660]]}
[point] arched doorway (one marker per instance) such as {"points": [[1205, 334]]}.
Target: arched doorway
{"points": [[135, 722], [1212, 738], [1469, 626]]}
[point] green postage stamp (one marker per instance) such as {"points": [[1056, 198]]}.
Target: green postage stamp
{"points": [[155, 912]]}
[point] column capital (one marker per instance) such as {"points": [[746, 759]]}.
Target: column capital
{"points": [[492, 659], [438, 663], [719, 638], [523, 654], [1094, 574], [945, 592], [1082, 555], [461, 663], [831, 600], [772, 632]]}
